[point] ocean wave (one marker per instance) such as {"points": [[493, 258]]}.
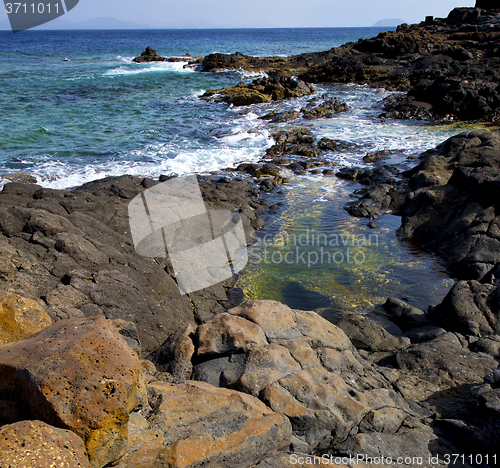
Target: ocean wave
{"points": [[249, 75], [156, 67]]}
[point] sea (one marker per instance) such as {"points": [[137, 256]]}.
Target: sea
{"points": [[74, 107]]}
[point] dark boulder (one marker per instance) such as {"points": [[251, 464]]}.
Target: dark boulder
{"points": [[337, 70], [470, 308], [452, 206], [150, 55], [488, 4], [274, 88]]}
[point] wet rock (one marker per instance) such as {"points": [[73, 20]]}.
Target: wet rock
{"points": [[367, 334], [149, 55], [375, 157], [405, 107], [277, 117], [326, 110], [34, 443], [20, 318], [294, 142], [274, 88], [78, 374], [327, 144], [196, 424]]}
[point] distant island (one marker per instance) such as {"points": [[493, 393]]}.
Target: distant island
{"points": [[388, 22]]}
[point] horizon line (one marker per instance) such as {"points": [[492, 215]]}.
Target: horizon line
{"points": [[204, 28]]}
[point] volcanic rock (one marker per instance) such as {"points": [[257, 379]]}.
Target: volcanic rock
{"points": [[196, 424], [20, 318], [274, 88], [78, 374], [34, 443]]}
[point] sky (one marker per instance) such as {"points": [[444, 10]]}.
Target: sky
{"points": [[259, 13]]}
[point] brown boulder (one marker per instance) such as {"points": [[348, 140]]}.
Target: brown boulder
{"points": [[20, 318], [150, 55], [274, 88], [196, 424], [28, 444], [78, 374]]}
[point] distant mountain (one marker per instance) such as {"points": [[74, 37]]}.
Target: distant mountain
{"points": [[113, 23], [389, 22], [96, 23]]}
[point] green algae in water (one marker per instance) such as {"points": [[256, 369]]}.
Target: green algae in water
{"points": [[314, 256]]}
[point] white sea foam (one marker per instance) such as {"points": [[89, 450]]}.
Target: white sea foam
{"points": [[240, 145], [156, 67], [247, 75]]}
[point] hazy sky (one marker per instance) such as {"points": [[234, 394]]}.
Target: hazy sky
{"points": [[261, 13]]}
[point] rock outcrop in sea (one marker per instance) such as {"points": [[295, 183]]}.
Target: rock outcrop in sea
{"points": [[274, 88], [447, 67]]}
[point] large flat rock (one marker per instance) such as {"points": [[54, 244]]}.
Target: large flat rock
{"points": [[195, 424]]}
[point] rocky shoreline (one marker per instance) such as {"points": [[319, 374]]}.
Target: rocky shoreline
{"points": [[103, 363]]}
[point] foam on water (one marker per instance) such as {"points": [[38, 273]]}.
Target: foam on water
{"points": [[249, 75], [155, 67]]}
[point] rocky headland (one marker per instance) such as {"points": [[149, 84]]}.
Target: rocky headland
{"points": [[449, 68], [104, 363]]}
